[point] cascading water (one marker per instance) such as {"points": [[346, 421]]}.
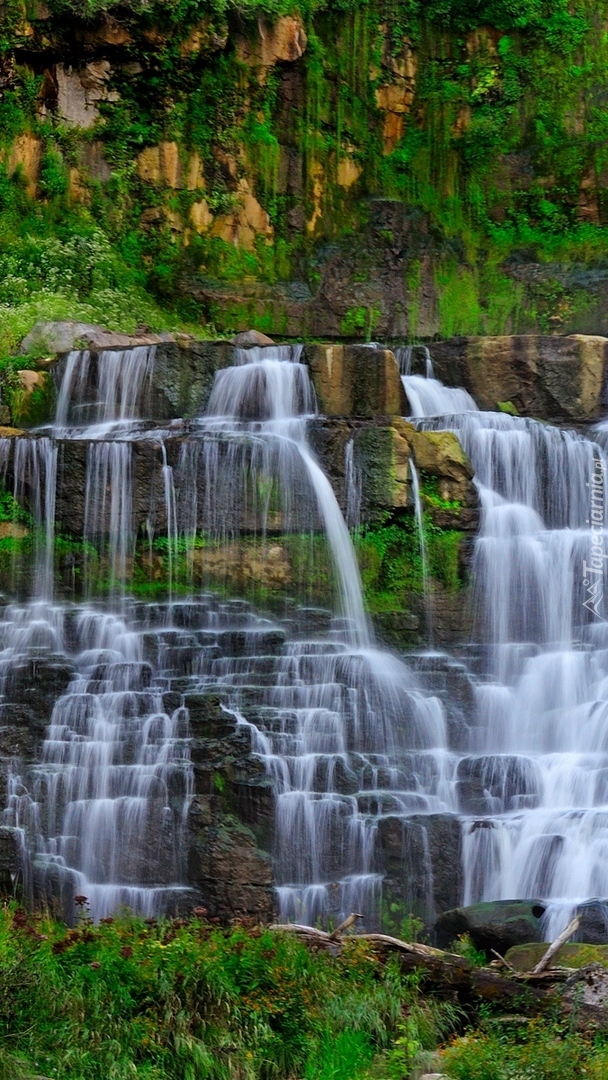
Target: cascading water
{"points": [[532, 786], [343, 729], [337, 717], [103, 813]]}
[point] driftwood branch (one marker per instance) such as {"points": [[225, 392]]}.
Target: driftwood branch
{"points": [[352, 918], [504, 962], [554, 948]]}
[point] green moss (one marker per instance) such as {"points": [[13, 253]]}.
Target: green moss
{"points": [[360, 322], [507, 407]]}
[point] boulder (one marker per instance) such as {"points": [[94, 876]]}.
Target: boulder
{"points": [[55, 337], [593, 927], [494, 924], [250, 338], [551, 378], [354, 380], [572, 954]]}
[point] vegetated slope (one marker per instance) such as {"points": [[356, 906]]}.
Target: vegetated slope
{"points": [[351, 169]]}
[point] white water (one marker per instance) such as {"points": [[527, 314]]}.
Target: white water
{"points": [[538, 748], [344, 730], [336, 715], [336, 721]]}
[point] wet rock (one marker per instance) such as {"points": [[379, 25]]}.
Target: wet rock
{"points": [[422, 858], [36, 682], [353, 380], [496, 784], [552, 378], [207, 718], [593, 927], [232, 875], [10, 860], [496, 924], [183, 376]]}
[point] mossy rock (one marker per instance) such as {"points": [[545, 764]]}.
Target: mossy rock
{"points": [[572, 955]]}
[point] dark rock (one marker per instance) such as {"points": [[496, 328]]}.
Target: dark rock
{"points": [[593, 928], [10, 859], [422, 859], [232, 875], [496, 924], [495, 784]]}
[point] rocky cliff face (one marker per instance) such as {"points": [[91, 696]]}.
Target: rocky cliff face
{"points": [[368, 171]]}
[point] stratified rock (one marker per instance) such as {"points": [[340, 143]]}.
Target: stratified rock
{"points": [[183, 375], [353, 380], [232, 875], [496, 924], [422, 858], [551, 378], [496, 784]]}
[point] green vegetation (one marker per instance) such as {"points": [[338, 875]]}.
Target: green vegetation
{"points": [[497, 152], [391, 562], [186, 999], [533, 1048]]}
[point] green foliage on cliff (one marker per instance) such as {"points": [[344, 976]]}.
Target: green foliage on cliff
{"points": [[485, 120]]}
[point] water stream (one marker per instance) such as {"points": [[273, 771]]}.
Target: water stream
{"points": [[350, 735], [533, 790]]}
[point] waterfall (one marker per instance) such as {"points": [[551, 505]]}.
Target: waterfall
{"points": [[349, 735], [532, 785], [260, 407], [103, 814], [344, 731], [337, 717], [418, 513]]}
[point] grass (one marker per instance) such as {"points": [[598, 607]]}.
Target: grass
{"points": [[186, 999]]}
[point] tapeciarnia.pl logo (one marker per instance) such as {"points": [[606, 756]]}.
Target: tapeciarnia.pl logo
{"points": [[593, 571]]}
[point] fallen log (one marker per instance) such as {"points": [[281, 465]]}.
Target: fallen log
{"points": [[442, 973]]}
